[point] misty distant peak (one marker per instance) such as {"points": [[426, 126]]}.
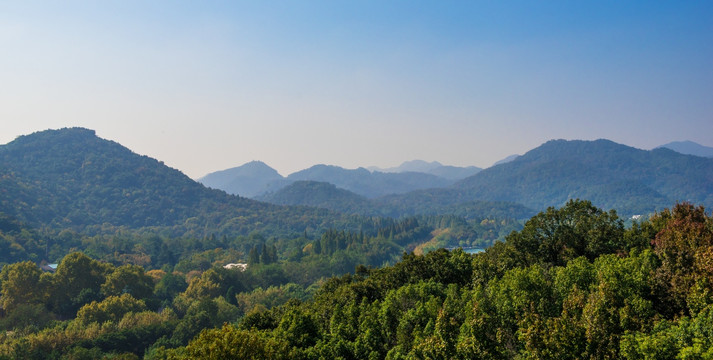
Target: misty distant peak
{"points": [[507, 159], [688, 147], [247, 180], [433, 168], [253, 168]]}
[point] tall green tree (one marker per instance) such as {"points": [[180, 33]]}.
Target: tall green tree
{"points": [[77, 281]]}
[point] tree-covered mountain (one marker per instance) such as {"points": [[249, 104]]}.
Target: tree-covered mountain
{"points": [[612, 175], [249, 180], [370, 184], [70, 178], [318, 194], [689, 148]]}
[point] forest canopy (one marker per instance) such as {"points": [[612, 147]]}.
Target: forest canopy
{"points": [[573, 283]]}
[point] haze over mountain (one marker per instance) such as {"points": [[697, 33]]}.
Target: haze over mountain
{"points": [[70, 177], [689, 148], [370, 184], [507, 159], [433, 168], [249, 180], [255, 179]]}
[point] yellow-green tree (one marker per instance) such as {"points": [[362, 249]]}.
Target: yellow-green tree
{"points": [[21, 285], [112, 308], [128, 279]]}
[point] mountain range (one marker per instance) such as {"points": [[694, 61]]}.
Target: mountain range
{"points": [[611, 175], [433, 168], [256, 179], [70, 178]]}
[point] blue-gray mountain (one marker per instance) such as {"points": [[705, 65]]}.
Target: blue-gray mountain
{"points": [[249, 180], [611, 175], [507, 159], [256, 179], [689, 148], [433, 168], [370, 184]]}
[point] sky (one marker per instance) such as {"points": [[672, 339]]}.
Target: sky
{"points": [[208, 85]]}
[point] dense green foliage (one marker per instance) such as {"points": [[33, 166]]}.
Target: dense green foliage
{"points": [[573, 283], [378, 241]]}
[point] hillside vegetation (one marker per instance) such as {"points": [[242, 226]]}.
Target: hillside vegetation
{"points": [[70, 178], [572, 284]]}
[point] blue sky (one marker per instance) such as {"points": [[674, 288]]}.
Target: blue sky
{"points": [[209, 85]]}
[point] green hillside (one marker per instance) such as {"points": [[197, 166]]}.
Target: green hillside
{"points": [[70, 178], [615, 176]]}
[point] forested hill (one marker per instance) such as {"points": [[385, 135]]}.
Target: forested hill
{"points": [[611, 175], [319, 194], [72, 178]]}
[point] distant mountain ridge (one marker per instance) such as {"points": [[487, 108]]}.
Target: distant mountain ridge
{"points": [[370, 184], [506, 159], [433, 168], [689, 148], [70, 178], [611, 175], [256, 179], [249, 180]]}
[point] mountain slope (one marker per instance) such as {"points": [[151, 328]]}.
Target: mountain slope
{"points": [[248, 180], [318, 194], [611, 174], [506, 159], [72, 178]]}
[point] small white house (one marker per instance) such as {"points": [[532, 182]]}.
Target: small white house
{"points": [[239, 266]]}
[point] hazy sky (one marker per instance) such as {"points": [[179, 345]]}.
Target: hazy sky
{"points": [[208, 85]]}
